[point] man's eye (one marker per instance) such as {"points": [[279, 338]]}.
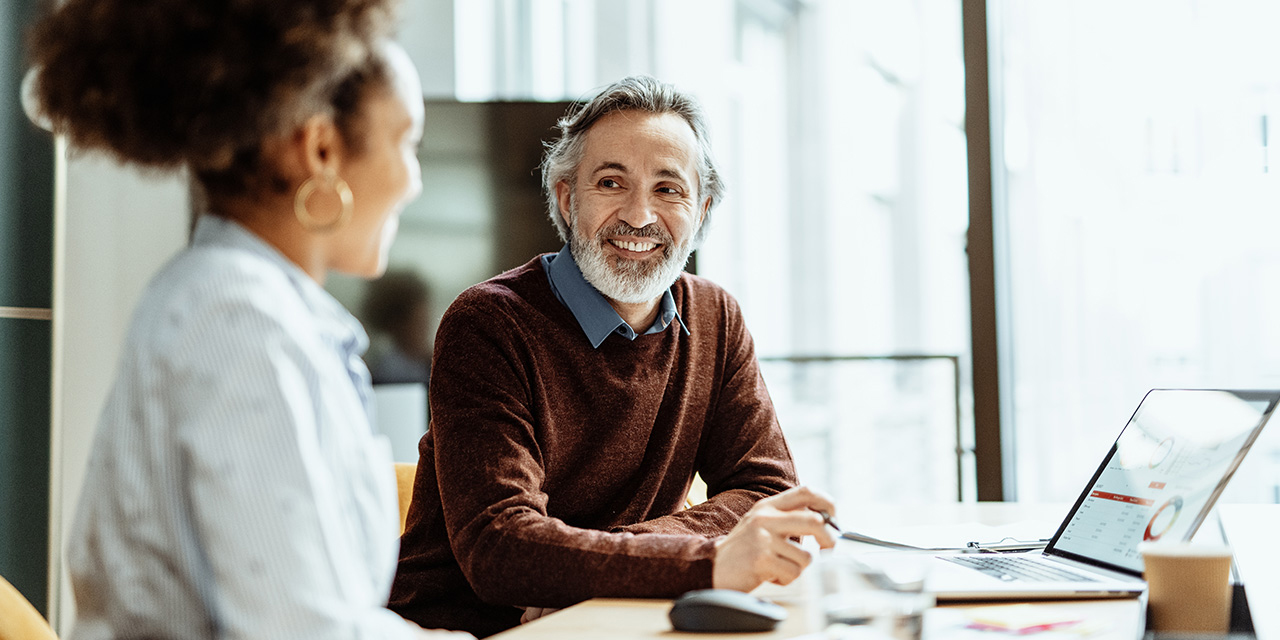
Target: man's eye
{"points": [[670, 190], [609, 182]]}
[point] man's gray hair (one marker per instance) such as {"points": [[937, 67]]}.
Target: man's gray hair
{"points": [[634, 93]]}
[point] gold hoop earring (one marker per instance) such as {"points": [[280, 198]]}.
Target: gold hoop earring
{"points": [[307, 188]]}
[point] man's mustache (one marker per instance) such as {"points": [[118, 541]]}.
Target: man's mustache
{"points": [[648, 231]]}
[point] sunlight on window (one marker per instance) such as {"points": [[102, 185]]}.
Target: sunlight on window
{"points": [[1141, 218]]}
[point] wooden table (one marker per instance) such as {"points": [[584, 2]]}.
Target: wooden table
{"points": [[619, 619], [628, 619]]}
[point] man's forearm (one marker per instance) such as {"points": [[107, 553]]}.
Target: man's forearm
{"points": [[533, 560], [715, 517]]}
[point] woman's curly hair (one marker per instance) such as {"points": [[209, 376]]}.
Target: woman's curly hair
{"points": [[201, 83]]}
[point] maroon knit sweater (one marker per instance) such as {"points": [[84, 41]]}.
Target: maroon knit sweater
{"points": [[554, 472]]}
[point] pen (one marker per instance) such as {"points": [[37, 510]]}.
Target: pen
{"points": [[826, 518], [1000, 546]]}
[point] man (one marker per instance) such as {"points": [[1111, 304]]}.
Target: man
{"points": [[574, 398]]}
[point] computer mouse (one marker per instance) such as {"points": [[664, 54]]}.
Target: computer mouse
{"points": [[724, 611]]}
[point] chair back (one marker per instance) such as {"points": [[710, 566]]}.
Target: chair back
{"points": [[18, 619], [405, 473]]}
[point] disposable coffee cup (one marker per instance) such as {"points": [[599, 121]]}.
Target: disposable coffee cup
{"points": [[1188, 587]]}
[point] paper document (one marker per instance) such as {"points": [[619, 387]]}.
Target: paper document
{"points": [[957, 536]]}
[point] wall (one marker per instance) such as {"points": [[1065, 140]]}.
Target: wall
{"points": [[481, 211], [26, 263]]}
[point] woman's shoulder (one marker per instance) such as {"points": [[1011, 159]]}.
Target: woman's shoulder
{"points": [[216, 290]]}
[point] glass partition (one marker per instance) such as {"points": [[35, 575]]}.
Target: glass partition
{"points": [[875, 428]]}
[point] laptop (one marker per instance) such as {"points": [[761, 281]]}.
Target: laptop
{"points": [[1158, 482]]}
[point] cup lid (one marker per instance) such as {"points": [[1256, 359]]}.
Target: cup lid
{"points": [[1184, 549]]}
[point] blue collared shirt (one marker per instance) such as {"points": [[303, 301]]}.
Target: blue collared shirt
{"points": [[595, 315]]}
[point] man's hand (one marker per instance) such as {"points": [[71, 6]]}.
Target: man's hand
{"points": [[533, 613], [759, 549]]}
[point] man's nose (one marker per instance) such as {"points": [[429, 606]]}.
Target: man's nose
{"points": [[638, 211]]}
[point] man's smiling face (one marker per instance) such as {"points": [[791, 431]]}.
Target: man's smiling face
{"points": [[634, 209]]}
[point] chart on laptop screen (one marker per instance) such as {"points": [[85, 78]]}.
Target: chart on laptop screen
{"points": [[1166, 466]]}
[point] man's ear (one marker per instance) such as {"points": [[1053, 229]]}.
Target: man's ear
{"points": [[706, 208], [564, 199]]}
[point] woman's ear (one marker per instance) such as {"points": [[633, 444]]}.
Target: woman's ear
{"points": [[314, 147]]}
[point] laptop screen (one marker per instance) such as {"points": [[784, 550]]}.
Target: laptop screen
{"points": [[1163, 473]]}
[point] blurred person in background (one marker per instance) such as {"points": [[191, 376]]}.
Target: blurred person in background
{"points": [[397, 308]]}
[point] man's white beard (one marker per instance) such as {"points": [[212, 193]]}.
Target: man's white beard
{"points": [[627, 281]]}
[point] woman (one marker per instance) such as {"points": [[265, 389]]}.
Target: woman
{"points": [[235, 489]]}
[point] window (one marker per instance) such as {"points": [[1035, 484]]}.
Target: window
{"points": [[846, 245], [1142, 193]]}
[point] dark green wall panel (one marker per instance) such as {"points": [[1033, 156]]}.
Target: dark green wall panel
{"points": [[24, 456], [26, 268], [26, 177]]}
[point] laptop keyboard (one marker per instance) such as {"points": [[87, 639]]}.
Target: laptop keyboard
{"points": [[1019, 568]]}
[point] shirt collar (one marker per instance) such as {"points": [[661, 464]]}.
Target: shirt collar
{"points": [[334, 320], [593, 312]]}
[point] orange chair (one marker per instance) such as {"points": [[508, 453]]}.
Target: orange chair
{"points": [[405, 473], [18, 619]]}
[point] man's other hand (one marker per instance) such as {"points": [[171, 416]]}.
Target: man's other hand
{"points": [[759, 549], [533, 613]]}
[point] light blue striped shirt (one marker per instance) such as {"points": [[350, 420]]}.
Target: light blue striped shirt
{"points": [[235, 488]]}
